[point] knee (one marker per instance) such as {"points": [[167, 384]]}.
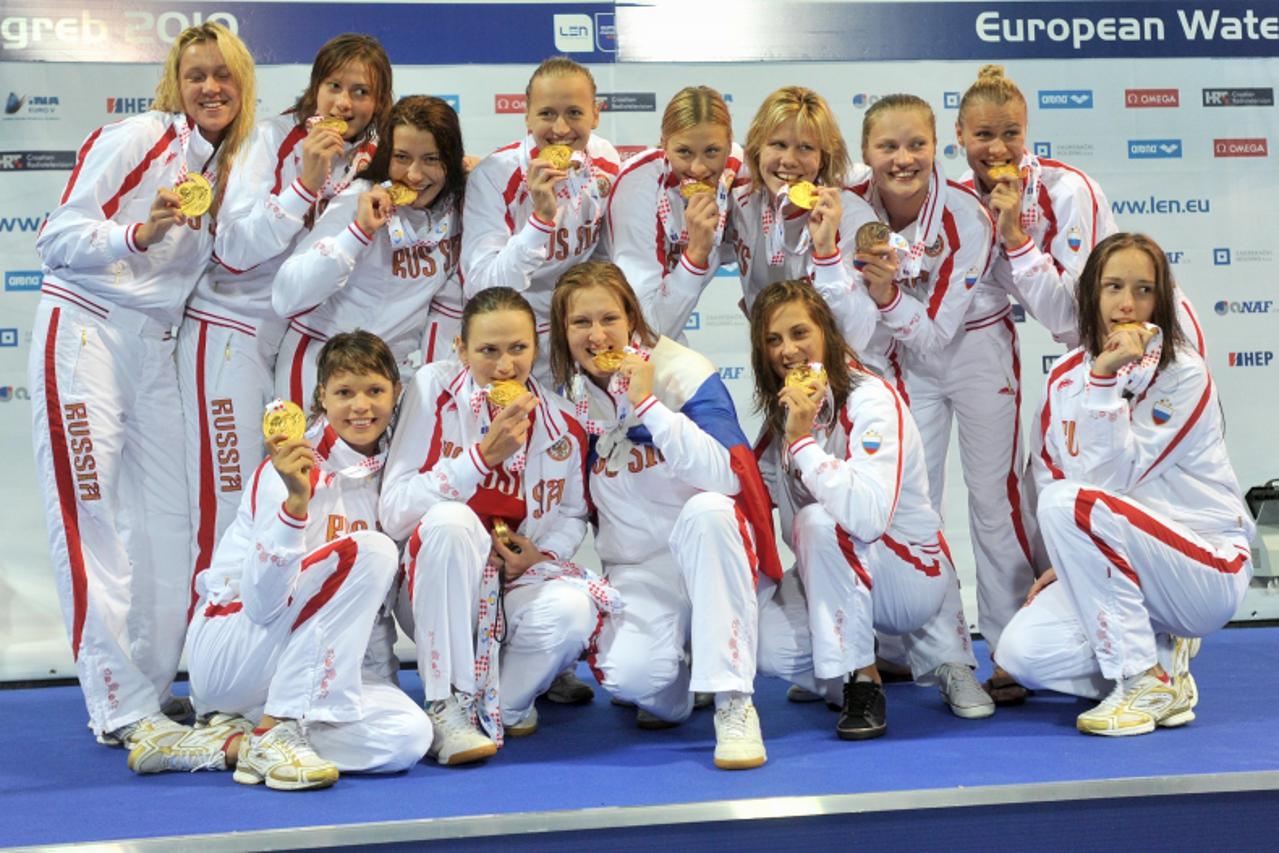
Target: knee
{"points": [[811, 523], [561, 617], [1015, 652], [448, 519], [415, 733], [640, 670], [1056, 504], [703, 511], [379, 552]]}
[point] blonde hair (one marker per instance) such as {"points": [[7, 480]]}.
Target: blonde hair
{"points": [[694, 105], [896, 102], [559, 66], [991, 87], [810, 112], [168, 94]]}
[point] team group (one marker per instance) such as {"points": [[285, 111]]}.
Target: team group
{"points": [[492, 356]]}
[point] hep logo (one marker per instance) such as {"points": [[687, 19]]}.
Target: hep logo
{"points": [[1255, 358]]}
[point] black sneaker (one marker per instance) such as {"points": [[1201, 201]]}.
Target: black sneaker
{"points": [[862, 716]]}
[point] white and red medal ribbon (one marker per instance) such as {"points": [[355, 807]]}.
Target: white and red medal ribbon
{"points": [[773, 220]]}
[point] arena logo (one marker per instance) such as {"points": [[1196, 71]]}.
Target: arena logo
{"points": [[1151, 149], [1136, 98], [16, 281], [8, 337], [730, 373], [36, 161], [628, 102], [1065, 99], [34, 106], [129, 106], [510, 104], [1258, 147], [1247, 306], [1253, 358], [862, 100], [1250, 97], [574, 33], [13, 392]]}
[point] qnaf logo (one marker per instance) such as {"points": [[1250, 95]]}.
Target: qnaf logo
{"points": [[1239, 97], [952, 151], [1258, 147], [574, 33], [1151, 149], [862, 100], [1065, 99], [454, 101], [503, 104], [129, 106], [728, 373], [21, 280], [1136, 98], [1246, 306], [1254, 358], [13, 392]]}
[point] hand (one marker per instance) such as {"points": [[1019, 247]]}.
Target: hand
{"points": [[1040, 584], [701, 217], [801, 405], [165, 213], [879, 271], [374, 210], [469, 162], [542, 178], [1122, 346], [1005, 198], [293, 461], [319, 148], [823, 221], [508, 433], [640, 372], [516, 564]]}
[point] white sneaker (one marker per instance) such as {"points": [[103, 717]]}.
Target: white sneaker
{"points": [[1184, 650], [1137, 706], [795, 693], [962, 693], [128, 736], [283, 758], [202, 748], [739, 745], [525, 726], [455, 740], [568, 689]]}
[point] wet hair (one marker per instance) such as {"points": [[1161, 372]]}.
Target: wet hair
{"points": [[1092, 324], [558, 66], [578, 278], [694, 105], [423, 112], [336, 53], [496, 299], [898, 101], [357, 352], [810, 112], [168, 93], [836, 354], [991, 87]]}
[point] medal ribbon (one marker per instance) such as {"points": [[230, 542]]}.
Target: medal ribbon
{"points": [[184, 142], [1030, 167], [775, 229]]}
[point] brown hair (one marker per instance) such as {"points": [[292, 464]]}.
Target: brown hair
{"points": [[168, 93], [1091, 324], [357, 352], [496, 299], [835, 356], [558, 66], [898, 101], [592, 274], [694, 105], [423, 112], [810, 112], [332, 57], [992, 87]]}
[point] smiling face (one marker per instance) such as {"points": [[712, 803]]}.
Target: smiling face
{"points": [[359, 407], [792, 339], [562, 110], [992, 135], [1128, 289], [415, 161], [789, 155], [900, 148], [210, 92], [596, 322], [499, 344], [699, 152], [348, 94]]}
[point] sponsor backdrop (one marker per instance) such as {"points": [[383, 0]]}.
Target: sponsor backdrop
{"points": [[1180, 142]]}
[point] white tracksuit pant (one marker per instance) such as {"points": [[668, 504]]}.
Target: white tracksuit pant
{"points": [[699, 598], [547, 623], [1126, 578], [306, 663], [819, 623], [107, 429], [226, 370]]}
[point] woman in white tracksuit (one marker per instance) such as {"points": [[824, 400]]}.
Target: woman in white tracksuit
{"points": [[682, 521], [119, 261], [845, 467], [492, 502], [291, 168], [1139, 507]]}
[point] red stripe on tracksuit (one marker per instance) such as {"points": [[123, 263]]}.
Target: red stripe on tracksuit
{"points": [[66, 488], [79, 162], [1045, 417], [903, 553], [295, 135], [410, 551], [941, 283], [1185, 428], [346, 549], [132, 179], [1014, 492], [1087, 499], [897, 374], [508, 197], [850, 554], [296, 391], [208, 502], [437, 438]]}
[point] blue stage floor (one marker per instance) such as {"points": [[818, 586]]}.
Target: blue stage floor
{"points": [[57, 785]]}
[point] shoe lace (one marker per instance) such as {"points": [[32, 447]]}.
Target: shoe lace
{"points": [[451, 716], [733, 719], [288, 735], [858, 696]]}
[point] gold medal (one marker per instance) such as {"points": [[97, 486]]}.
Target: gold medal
{"points": [[692, 188], [802, 194], [502, 532], [559, 156], [609, 360], [1007, 170], [805, 376], [283, 416], [872, 234], [195, 196], [401, 194], [337, 124], [504, 392]]}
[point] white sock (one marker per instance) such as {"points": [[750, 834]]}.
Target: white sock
{"points": [[722, 699], [861, 676]]}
